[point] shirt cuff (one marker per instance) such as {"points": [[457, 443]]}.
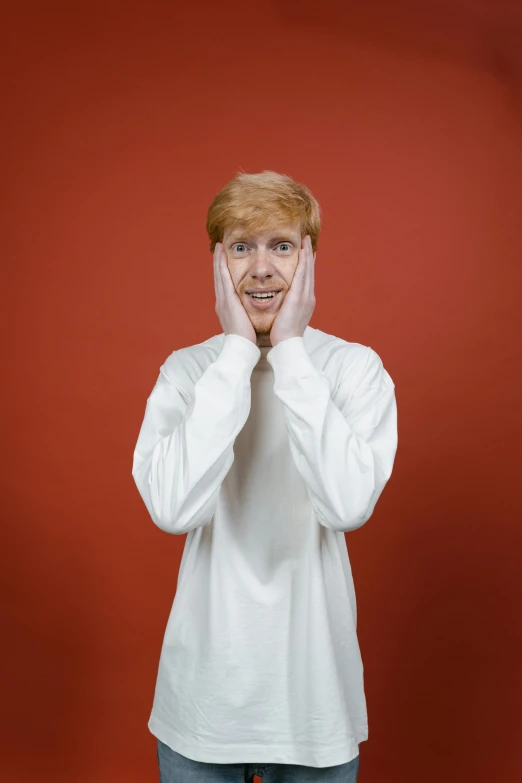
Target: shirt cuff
{"points": [[238, 355], [290, 359]]}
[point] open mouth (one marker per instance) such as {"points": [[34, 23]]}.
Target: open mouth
{"points": [[263, 300]]}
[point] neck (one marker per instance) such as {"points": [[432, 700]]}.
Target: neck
{"points": [[263, 340]]}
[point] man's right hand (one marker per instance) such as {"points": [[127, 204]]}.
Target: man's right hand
{"points": [[232, 315]]}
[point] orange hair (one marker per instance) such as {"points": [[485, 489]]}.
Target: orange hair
{"points": [[258, 201]]}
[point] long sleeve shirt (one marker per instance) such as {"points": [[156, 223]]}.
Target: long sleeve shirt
{"points": [[265, 457]]}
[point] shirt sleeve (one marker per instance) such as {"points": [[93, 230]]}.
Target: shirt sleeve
{"points": [[185, 446], [344, 450]]}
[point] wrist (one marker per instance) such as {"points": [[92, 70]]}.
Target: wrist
{"points": [[282, 338]]}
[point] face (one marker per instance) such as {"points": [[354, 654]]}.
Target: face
{"points": [[261, 262]]}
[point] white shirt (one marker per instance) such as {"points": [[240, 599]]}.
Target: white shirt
{"points": [[265, 457]]}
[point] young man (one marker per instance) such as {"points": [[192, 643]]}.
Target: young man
{"points": [[265, 443]]}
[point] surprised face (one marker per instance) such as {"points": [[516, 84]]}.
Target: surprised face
{"points": [[262, 266]]}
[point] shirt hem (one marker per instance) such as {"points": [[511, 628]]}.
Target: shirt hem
{"points": [[255, 754]]}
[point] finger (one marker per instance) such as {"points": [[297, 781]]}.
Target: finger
{"points": [[220, 293], [306, 268], [215, 263], [225, 277], [300, 274], [310, 276], [229, 289]]}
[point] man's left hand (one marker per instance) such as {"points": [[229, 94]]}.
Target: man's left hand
{"points": [[299, 303]]}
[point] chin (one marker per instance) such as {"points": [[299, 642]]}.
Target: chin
{"points": [[262, 325]]}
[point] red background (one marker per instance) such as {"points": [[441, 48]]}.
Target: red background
{"points": [[122, 122]]}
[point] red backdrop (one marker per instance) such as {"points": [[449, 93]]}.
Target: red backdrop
{"points": [[123, 121]]}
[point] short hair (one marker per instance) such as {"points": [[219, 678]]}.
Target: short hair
{"points": [[257, 201]]}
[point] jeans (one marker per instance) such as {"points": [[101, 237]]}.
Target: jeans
{"points": [[175, 768]]}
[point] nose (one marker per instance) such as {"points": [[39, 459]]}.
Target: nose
{"points": [[261, 265]]}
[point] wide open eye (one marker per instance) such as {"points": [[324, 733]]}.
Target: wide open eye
{"points": [[284, 246]]}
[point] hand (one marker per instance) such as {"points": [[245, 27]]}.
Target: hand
{"points": [[299, 303], [232, 315]]}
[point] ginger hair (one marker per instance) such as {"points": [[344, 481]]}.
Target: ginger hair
{"points": [[258, 201]]}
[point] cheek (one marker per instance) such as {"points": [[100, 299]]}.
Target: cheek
{"points": [[288, 270], [237, 269]]}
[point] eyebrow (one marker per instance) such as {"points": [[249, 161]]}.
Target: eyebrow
{"points": [[280, 238]]}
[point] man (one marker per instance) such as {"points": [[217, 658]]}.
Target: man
{"points": [[265, 443]]}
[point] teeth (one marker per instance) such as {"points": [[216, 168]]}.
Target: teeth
{"points": [[262, 296]]}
